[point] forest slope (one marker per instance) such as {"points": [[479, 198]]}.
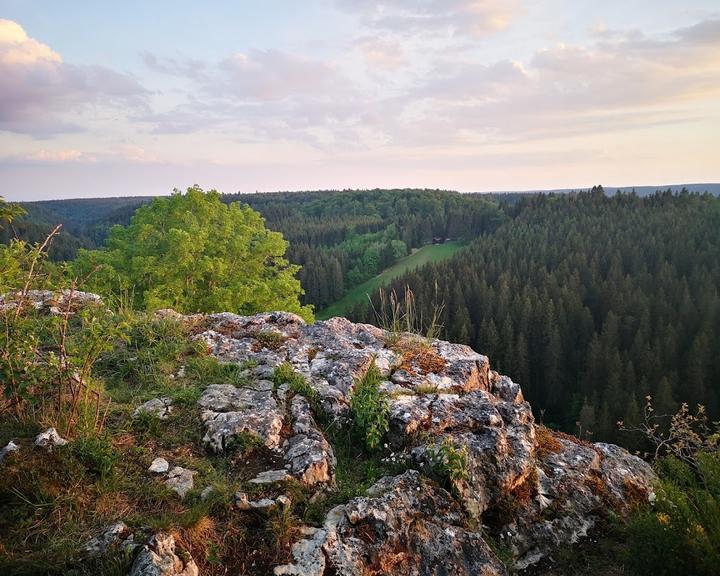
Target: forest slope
{"points": [[592, 303]]}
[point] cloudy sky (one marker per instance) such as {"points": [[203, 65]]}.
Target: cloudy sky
{"points": [[137, 97]]}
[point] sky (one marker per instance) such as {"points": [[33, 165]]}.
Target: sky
{"points": [[138, 98]]}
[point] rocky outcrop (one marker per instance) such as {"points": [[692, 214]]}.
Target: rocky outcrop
{"points": [[532, 496], [50, 302], [475, 454], [159, 558], [440, 395], [406, 525]]}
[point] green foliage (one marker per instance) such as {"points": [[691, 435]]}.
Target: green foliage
{"points": [[590, 302], [46, 359], [449, 462], [160, 358], [297, 383], [680, 534], [370, 408], [193, 253], [9, 212], [96, 453]]}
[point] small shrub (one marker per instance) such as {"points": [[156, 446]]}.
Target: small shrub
{"points": [[269, 339], [370, 409], [680, 533], [244, 443], [449, 462]]}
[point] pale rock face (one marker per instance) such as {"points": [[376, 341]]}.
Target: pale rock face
{"points": [[230, 411], [159, 466], [158, 407], [439, 393], [406, 525], [55, 303], [308, 555], [8, 449], [308, 455], [116, 535], [180, 480], [49, 439], [159, 558]]}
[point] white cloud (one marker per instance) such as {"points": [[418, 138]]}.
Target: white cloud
{"points": [[63, 155], [39, 92], [473, 18]]}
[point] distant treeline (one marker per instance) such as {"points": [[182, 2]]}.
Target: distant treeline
{"points": [[591, 302]]}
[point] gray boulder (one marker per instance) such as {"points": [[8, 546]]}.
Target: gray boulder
{"points": [[159, 558], [158, 407]]}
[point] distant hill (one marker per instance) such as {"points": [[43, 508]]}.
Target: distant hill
{"points": [[711, 187]]}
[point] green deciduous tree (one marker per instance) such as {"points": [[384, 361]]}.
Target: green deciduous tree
{"points": [[192, 252]]}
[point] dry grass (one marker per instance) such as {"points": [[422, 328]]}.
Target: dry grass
{"points": [[547, 442], [417, 356], [635, 495]]}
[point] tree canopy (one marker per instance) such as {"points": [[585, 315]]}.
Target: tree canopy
{"points": [[192, 252]]}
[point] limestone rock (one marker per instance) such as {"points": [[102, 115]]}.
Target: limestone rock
{"points": [[159, 558], [309, 456], [180, 480], [8, 449], [440, 394], [406, 525], [50, 302], [159, 407], [229, 411], [270, 477], [49, 439], [159, 466], [308, 555], [243, 502], [117, 535]]}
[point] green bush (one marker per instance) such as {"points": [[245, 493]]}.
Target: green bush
{"points": [[370, 408], [680, 533]]}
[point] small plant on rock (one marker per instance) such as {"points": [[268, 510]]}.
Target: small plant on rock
{"points": [[370, 408], [298, 384], [448, 461]]}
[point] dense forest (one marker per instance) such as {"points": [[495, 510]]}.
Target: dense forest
{"points": [[341, 238], [591, 302]]}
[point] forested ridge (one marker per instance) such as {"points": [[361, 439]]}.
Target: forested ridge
{"points": [[591, 302], [341, 238]]}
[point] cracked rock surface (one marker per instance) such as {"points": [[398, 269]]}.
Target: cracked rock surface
{"points": [[440, 395]]}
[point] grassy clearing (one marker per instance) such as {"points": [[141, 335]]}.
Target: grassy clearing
{"points": [[422, 256]]}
